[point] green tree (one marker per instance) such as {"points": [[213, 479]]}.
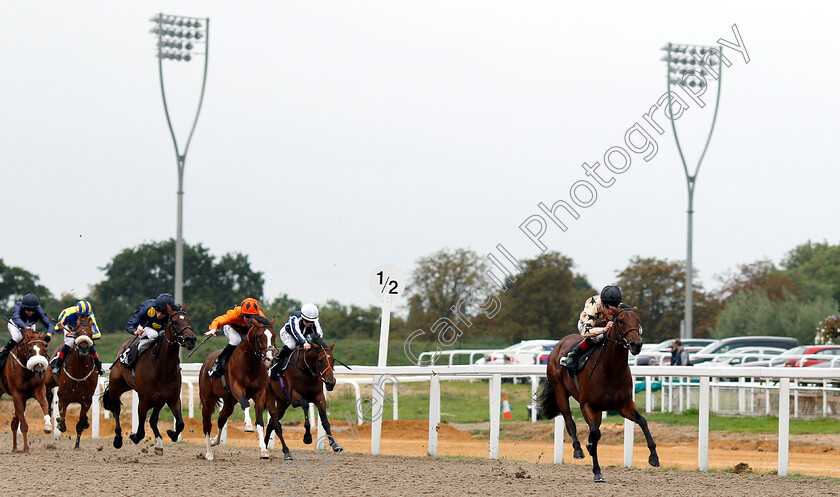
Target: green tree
{"points": [[815, 267], [761, 274], [211, 286], [543, 302], [440, 279], [753, 312], [15, 282], [657, 288]]}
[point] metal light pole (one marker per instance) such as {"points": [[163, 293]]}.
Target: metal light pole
{"points": [[177, 37], [688, 67]]}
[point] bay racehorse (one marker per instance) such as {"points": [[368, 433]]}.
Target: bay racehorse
{"points": [[22, 377], [76, 381], [245, 377], [603, 384], [302, 383], [156, 378]]}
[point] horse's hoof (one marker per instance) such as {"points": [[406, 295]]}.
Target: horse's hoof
{"points": [[654, 461], [264, 454], [599, 478], [118, 442], [307, 439], [135, 438], [158, 451], [173, 435], [249, 428], [578, 454], [287, 456], [62, 427], [47, 428], [208, 456]]}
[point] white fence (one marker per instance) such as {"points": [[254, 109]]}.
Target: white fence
{"points": [[679, 380]]}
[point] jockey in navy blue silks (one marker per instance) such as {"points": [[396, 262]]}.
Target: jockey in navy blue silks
{"points": [[147, 322], [26, 314], [301, 330]]}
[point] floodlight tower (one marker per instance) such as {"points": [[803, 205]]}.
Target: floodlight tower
{"points": [[177, 38], [688, 67]]}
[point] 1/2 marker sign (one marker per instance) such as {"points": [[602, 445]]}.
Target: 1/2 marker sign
{"points": [[388, 280]]}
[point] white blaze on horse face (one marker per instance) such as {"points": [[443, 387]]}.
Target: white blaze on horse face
{"points": [[181, 316], [267, 333]]}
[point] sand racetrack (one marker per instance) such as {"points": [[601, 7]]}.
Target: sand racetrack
{"points": [[99, 469]]}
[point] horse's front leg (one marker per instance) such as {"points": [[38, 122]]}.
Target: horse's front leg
{"points": [[62, 414], [593, 419], [153, 423], [175, 407], [142, 409], [259, 407], [321, 403], [41, 398], [562, 397], [20, 419], [83, 423], [307, 435], [631, 412]]}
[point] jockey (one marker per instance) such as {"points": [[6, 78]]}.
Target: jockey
{"points": [[234, 324], [302, 330], [26, 314], [593, 323], [148, 322], [68, 320]]}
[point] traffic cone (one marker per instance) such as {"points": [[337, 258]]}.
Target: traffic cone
{"points": [[506, 408]]}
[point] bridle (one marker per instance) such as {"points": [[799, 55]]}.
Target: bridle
{"points": [[258, 351], [314, 372], [26, 355], [622, 340], [180, 339]]}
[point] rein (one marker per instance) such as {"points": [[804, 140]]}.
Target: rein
{"points": [[260, 353], [311, 370]]}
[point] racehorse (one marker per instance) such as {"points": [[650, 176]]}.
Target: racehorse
{"points": [[156, 378], [245, 377], [77, 380], [302, 380], [603, 384], [23, 378]]}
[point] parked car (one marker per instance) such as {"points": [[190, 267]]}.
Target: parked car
{"points": [[746, 356], [645, 357], [524, 352], [723, 346], [664, 358], [829, 351]]}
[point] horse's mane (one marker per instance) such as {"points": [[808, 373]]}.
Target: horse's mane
{"points": [[261, 319]]}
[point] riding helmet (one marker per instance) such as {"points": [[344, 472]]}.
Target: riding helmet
{"points": [[250, 306], [162, 301], [30, 302], [309, 312], [83, 308], [611, 295]]}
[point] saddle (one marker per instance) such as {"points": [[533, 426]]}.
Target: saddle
{"points": [[130, 355], [581, 361]]}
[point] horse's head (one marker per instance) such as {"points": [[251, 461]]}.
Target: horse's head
{"points": [[261, 337], [84, 334], [324, 364], [627, 330], [36, 353], [179, 327]]}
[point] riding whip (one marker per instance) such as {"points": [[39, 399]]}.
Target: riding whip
{"points": [[200, 344]]}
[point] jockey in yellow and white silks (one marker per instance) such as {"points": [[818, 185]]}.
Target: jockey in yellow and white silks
{"points": [[68, 320], [593, 324]]}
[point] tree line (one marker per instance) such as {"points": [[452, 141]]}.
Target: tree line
{"points": [[544, 301]]}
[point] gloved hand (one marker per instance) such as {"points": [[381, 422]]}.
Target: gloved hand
{"points": [[211, 332], [307, 346], [48, 337]]}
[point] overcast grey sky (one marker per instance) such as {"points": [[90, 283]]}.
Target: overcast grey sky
{"points": [[338, 136]]}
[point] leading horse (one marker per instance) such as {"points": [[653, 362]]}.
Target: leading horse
{"points": [[301, 385], [245, 377], [156, 378], [76, 381], [603, 384], [22, 377]]}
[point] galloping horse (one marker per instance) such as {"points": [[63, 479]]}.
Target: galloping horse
{"points": [[22, 377], [77, 379], [301, 385], [245, 378], [156, 378], [603, 384]]}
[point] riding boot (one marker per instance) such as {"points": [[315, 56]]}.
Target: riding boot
{"points": [[280, 363], [4, 352], [221, 361], [58, 361], [98, 364], [572, 357]]}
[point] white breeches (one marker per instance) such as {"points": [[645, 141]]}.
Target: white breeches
{"points": [[68, 341], [17, 335], [150, 333], [287, 339], [233, 336]]}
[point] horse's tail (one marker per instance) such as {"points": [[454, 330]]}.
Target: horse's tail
{"points": [[107, 403], [547, 402]]}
